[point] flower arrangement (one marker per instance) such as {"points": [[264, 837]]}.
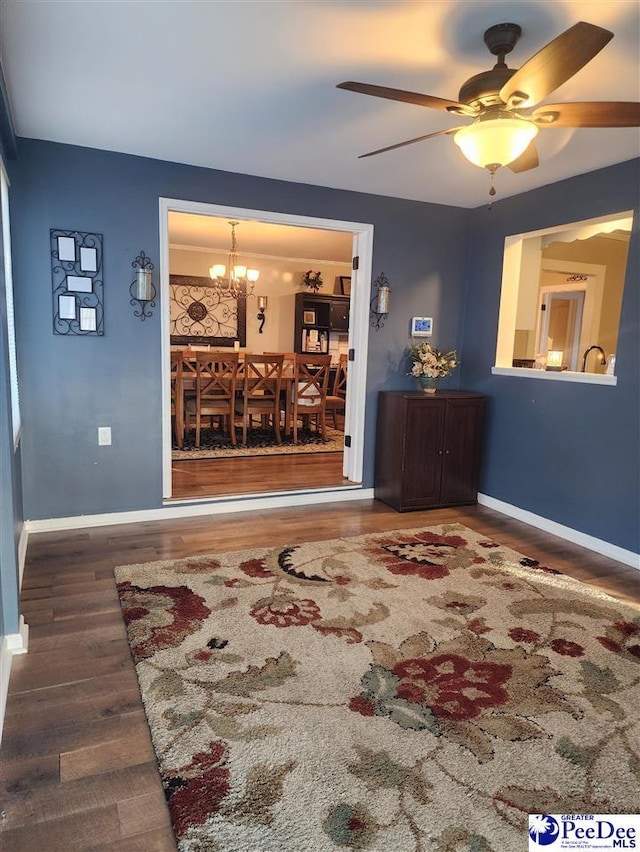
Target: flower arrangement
{"points": [[313, 280], [430, 362]]}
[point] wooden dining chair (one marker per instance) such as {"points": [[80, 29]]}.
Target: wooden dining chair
{"points": [[177, 397], [309, 391], [216, 378], [336, 400], [261, 384], [183, 387], [287, 363]]}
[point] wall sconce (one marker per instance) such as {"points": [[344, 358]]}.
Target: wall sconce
{"points": [[142, 290], [262, 306], [554, 360], [380, 301]]}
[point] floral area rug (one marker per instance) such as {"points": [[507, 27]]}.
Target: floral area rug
{"points": [[410, 690], [215, 445]]}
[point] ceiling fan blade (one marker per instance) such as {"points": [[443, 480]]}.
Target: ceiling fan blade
{"points": [[554, 64], [588, 114], [407, 97], [411, 141], [526, 161]]}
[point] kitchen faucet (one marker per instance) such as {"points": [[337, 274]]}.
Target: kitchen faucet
{"points": [[603, 358]]}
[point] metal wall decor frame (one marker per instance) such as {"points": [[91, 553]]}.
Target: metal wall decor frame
{"points": [[377, 316], [143, 264], [77, 283], [201, 315]]}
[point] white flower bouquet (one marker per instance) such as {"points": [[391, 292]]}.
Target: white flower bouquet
{"points": [[428, 361]]}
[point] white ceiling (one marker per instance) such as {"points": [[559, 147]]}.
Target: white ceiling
{"points": [[259, 239], [250, 86]]}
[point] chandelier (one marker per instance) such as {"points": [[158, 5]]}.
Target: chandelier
{"points": [[240, 281]]}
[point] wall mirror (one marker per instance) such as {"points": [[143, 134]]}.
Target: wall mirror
{"points": [[562, 292]]}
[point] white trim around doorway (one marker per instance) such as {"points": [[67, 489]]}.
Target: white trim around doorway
{"points": [[358, 324]]}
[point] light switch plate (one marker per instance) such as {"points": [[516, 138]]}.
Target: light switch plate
{"points": [[104, 436]]}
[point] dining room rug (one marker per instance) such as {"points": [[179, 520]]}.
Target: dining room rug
{"points": [[418, 689], [260, 442]]}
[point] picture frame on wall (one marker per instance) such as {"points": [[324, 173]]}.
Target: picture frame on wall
{"points": [[345, 285], [77, 282], [198, 317]]}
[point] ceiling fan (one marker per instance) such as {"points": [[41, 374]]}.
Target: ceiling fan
{"points": [[502, 102]]}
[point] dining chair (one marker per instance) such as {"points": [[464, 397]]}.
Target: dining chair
{"points": [[336, 400], [177, 398], [216, 378], [183, 387], [287, 364], [261, 384], [309, 392]]}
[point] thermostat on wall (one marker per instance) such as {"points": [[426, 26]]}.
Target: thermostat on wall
{"points": [[421, 326]]}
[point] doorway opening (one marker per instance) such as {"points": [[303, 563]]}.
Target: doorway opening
{"points": [[560, 323], [294, 243]]}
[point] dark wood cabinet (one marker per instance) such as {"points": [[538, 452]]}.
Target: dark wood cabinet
{"points": [[316, 318], [428, 448]]}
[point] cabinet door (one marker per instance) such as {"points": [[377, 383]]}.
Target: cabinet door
{"points": [[339, 315], [422, 457], [461, 458]]}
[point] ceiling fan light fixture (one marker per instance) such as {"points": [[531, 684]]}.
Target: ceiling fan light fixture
{"points": [[496, 141]]}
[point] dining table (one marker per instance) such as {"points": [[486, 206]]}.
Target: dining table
{"points": [[185, 388]]}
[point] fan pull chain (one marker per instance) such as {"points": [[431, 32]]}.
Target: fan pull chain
{"points": [[492, 190]]}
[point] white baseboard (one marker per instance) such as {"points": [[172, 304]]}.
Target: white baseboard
{"points": [[12, 644], [605, 548], [193, 508], [252, 503]]}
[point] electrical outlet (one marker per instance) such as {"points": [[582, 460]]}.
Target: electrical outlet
{"points": [[104, 436]]}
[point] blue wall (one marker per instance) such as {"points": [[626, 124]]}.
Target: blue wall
{"points": [[568, 452], [71, 385]]}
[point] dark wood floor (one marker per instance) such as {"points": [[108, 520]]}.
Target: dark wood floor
{"points": [[77, 770], [256, 474]]}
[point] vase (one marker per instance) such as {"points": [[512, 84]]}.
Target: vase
{"points": [[428, 384]]}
